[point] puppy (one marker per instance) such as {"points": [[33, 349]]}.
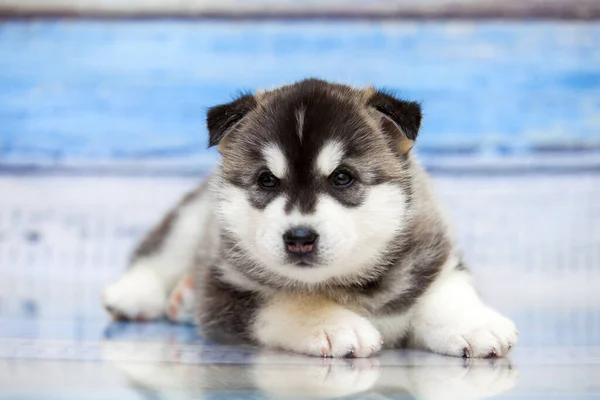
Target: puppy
{"points": [[318, 234]]}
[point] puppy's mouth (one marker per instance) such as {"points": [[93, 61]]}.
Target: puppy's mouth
{"points": [[306, 260], [304, 264]]}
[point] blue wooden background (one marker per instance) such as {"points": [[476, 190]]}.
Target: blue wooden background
{"points": [[81, 92]]}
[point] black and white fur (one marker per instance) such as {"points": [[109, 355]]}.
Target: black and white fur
{"points": [[383, 271]]}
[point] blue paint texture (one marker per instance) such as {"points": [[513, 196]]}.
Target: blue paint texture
{"points": [[82, 91]]}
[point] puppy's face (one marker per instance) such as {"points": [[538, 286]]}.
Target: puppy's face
{"points": [[313, 184]]}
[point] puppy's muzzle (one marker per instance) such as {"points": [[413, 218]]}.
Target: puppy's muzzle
{"points": [[300, 241]]}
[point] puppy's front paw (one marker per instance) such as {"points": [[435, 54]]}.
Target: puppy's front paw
{"points": [[323, 331], [138, 295], [479, 332], [341, 336]]}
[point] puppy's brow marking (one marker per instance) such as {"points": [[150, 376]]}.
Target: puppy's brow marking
{"points": [[276, 161], [330, 157], [300, 121]]}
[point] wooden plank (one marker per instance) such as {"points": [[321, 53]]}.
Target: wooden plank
{"points": [[82, 92]]}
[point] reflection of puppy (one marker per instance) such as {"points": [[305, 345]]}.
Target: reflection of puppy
{"points": [[476, 379], [317, 234], [274, 375], [331, 378], [447, 379]]}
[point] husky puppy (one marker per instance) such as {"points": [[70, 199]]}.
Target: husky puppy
{"points": [[317, 234]]}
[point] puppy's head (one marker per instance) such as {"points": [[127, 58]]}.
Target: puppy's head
{"points": [[313, 180]]}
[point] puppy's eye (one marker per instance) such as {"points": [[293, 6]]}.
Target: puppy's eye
{"points": [[267, 180], [341, 179]]}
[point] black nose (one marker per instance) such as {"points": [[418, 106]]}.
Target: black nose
{"points": [[300, 240]]}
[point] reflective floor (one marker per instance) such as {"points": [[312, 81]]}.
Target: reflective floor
{"points": [[42, 369]]}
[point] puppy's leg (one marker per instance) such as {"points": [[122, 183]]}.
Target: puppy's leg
{"points": [[160, 261], [452, 319], [316, 327], [138, 295]]}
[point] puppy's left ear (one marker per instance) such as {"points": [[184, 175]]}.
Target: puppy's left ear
{"points": [[222, 119], [400, 120]]}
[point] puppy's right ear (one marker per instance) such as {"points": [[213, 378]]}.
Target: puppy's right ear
{"points": [[221, 119]]}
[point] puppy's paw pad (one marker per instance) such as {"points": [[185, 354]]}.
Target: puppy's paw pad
{"points": [[181, 302], [138, 295]]}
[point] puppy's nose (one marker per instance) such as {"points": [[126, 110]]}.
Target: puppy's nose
{"points": [[300, 240]]}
